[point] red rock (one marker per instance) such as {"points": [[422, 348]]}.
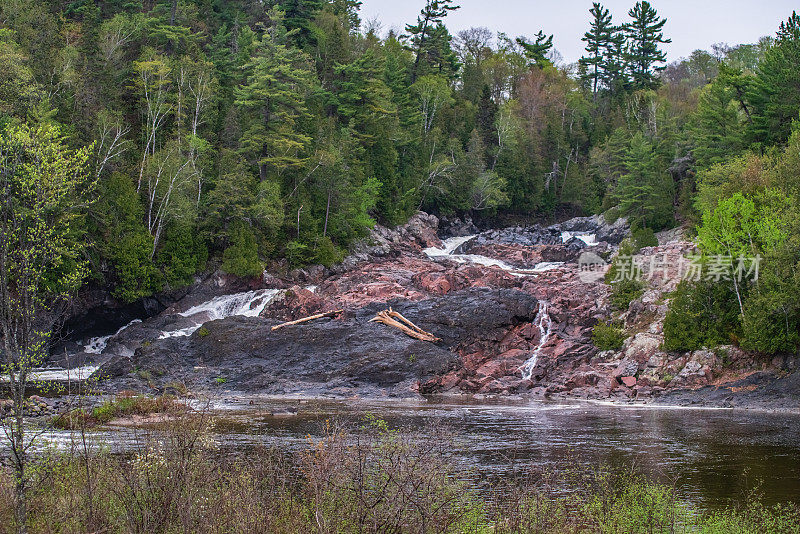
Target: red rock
{"points": [[629, 381]]}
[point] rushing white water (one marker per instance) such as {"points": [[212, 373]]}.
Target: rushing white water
{"points": [[57, 374], [450, 245], [545, 325], [248, 304], [589, 239], [97, 345]]}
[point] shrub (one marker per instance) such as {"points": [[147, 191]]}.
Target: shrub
{"points": [[644, 237], [326, 253], [623, 292], [702, 314], [121, 406], [608, 336]]}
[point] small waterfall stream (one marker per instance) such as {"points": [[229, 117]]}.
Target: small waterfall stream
{"points": [[449, 246], [248, 304], [545, 325], [97, 345]]}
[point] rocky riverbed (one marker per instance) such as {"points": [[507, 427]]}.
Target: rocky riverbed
{"points": [[514, 310]]}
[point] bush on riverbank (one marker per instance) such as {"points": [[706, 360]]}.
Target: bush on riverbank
{"points": [[372, 480]]}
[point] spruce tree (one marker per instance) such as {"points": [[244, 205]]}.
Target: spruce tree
{"points": [[717, 125], [645, 34], [299, 15]]}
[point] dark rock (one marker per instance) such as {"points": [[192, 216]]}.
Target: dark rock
{"points": [[325, 356]]}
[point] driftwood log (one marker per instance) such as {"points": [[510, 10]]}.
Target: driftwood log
{"points": [[392, 318], [309, 318]]}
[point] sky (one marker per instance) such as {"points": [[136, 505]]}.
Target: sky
{"points": [[691, 24]]}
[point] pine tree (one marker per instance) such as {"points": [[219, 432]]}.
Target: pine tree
{"points": [[421, 33], [645, 34], [616, 75], [275, 95], [599, 42], [775, 95], [537, 51], [645, 191]]}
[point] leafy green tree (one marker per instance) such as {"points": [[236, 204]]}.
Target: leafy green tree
{"points": [[44, 188], [645, 33], [18, 89], [742, 227]]}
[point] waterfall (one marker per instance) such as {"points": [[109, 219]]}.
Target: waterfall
{"points": [[545, 325], [589, 239], [248, 304], [97, 345], [450, 245]]}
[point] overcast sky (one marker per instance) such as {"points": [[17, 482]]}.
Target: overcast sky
{"points": [[691, 24]]}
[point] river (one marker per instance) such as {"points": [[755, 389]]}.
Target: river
{"points": [[714, 457]]}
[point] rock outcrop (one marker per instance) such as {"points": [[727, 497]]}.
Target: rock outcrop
{"points": [[346, 356], [513, 307]]}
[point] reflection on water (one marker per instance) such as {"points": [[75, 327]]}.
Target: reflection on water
{"points": [[713, 456]]}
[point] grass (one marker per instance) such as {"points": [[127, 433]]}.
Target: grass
{"points": [[377, 479], [121, 406]]}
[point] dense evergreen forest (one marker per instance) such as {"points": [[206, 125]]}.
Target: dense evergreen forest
{"points": [[238, 133]]}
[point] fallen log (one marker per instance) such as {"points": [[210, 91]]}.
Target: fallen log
{"points": [[392, 318], [306, 319]]}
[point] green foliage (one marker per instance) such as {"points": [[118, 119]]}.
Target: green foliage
{"points": [[241, 256], [181, 255], [644, 237], [718, 129], [774, 96], [120, 406], [645, 191], [645, 34], [274, 101], [608, 336], [623, 292], [125, 240], [702, 314]]}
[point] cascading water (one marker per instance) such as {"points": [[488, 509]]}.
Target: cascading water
{"points": [[449, 246], [545, 325], [248, 304], [97, 345], [589, 239]]}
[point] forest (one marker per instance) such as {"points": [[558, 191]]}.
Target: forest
{"points": [[204, 134]]}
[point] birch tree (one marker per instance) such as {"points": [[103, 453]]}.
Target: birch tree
{"points": [[44, 186]]}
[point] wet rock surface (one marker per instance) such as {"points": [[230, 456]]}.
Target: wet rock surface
{"points": [[507, 324], [349, 355]]}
